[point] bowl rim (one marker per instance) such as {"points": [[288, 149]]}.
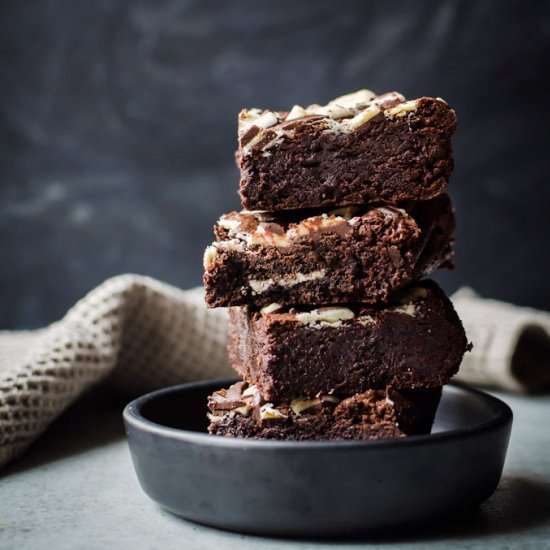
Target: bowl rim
{"points": [[132, 416]]}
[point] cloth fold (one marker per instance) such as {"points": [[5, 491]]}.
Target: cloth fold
{"points": [[138, 334], [511, 344]]}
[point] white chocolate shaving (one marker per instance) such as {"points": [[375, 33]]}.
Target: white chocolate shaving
{"points": [[405, 309], [268, 412], [261, 285], [385, 99], [330, 315], [251, 390], [263, 121], [229, 223], [261, 236], [302, 278], [232, 244], [254, 141], [232, 226], [402, 109], [214, 418], [310, 225], [209, 256], [332, 111], [247, 117], [362, 118], [339, 115], [354, 99], [270, 308], [330, 398], [300, 405], [244, 410], [296, 112]]}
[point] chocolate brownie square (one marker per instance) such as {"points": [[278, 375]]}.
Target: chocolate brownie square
{"points": [[352, 254], [240, 411], [415, 341], [355, 149]]}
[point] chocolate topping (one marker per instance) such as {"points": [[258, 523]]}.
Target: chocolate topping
{"points": [[373, 414], [313, 222], [351, 254], [240, 398], [391, 150], [289, 124], [220, 402], [272, 227], [248, 135], [235, 392]]}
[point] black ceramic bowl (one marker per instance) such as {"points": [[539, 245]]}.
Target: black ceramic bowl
{"points": [[315, 488]]}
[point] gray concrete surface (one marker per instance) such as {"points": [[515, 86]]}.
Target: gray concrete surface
{"points": [[76, 488]]}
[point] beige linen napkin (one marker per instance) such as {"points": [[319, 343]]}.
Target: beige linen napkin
{"points": [[142, 334], [511, 344]]}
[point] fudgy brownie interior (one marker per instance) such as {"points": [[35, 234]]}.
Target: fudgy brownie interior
{"points": [[355, 149]]}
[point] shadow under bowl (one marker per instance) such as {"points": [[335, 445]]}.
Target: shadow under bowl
{"points": [[313, 489]]}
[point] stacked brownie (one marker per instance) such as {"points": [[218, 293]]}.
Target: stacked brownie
{"points": [[330, 327]]}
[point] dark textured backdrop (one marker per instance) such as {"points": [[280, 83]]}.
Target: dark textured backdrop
{"points": [[117, 125]]}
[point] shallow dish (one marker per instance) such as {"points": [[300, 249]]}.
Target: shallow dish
{"points": [[315, 488]]}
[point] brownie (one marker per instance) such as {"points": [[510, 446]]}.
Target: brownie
{"points": [[414, 341], [351, 254], [240, 411], [354, 149]]}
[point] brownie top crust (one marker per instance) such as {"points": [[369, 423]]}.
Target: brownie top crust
{"points": [[246, 399], [238, 230], [240, 411], [260, 130], [406, 302]]}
